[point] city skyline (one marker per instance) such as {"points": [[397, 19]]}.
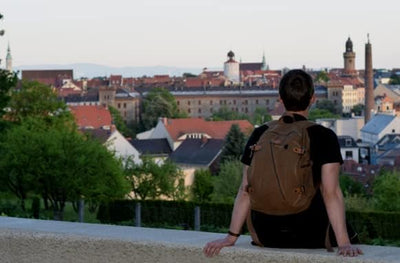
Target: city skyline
{"points": [[198, 34]]}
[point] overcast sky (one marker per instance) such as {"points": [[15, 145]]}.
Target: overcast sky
{"points": [[199, 33]]}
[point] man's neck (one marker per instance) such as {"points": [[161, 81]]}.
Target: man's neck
{"points": [[303, 113]]}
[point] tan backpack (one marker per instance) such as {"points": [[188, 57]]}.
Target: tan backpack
{"points": [[280, 180]]}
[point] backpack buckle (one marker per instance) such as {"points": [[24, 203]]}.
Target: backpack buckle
{"points": [[300, 190], [299, 150]]}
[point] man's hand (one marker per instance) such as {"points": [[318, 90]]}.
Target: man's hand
{"points": [[349, 251], [214, 247]]}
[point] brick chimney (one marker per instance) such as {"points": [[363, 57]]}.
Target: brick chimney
{"points": [[369, 82]]}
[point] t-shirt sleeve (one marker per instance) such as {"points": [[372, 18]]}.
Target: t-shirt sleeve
{"points": [[325, 146], [247, 156]]}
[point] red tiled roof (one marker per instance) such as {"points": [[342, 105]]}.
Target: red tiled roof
{"points": [[216, 129], [200, 82], [67, 91], [91, 116]]}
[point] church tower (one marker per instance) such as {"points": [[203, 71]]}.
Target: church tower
{"points": [[349, 59], [369, 82], [9, 59], [231, 68], [264, 65]]}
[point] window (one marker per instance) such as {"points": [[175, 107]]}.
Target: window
{"points": [[189, 110], [188, 102], [267, 102], [199, 102], [199, 111], [256, 101], [211, 102], [349, 155], [119, 105], [348, 142], [124, 105], [177, 103], [234, 102]]}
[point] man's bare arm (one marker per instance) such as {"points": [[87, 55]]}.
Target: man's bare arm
{"points": [[334, 203]]}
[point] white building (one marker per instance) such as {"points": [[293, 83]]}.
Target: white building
{"points": [[344, 127], [231, 69], [379, 126]]}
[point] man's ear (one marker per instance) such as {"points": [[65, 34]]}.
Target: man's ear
{"points": [[313, 99], [280, 100]]}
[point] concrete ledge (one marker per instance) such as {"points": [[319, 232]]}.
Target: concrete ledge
{"points": [[27, 240]]}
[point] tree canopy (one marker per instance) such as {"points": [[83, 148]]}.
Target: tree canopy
{"points": [[158, 102], [227, 182], [386, 189], [358, 109], [150, 180], [202, 187], [321, 114], [322, 76], [326, 105], [59, 164], [394, 79], [118, 121], [8, 80], [225, 114], [36, 100], [234, 143], [260, 116]]}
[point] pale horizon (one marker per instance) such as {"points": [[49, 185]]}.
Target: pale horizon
{"points": [[198, 34]]}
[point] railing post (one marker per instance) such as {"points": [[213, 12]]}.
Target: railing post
{"points": [[81, 209], [138, 214], [197, 218]]}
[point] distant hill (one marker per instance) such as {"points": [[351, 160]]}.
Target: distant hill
{"points": [[94, 70]]}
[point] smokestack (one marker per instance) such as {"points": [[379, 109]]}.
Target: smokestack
{"points": [[369, 82]]}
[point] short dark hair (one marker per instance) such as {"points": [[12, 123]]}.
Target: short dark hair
{"points": [[296, 89]]}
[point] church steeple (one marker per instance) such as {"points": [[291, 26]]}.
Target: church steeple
{"points": [[349, 57], [9, 59], [264, 65]]}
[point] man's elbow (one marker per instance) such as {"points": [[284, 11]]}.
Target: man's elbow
{"points": [[330, 194]]}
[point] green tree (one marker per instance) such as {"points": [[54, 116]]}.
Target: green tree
{"points": [[118, 121], [260, 116], [225, 114], [358, 109], [59, 164], [150, 180], [322, 76], [386, 191], [202, 187], [394, 79], [234, 144], [326, 105], [36, 100], [321, 114], [158, 102], [351, 187], [8, 80], [227, 182]]}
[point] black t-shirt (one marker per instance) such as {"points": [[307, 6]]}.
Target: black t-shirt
{"points": [[308, 228]]}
